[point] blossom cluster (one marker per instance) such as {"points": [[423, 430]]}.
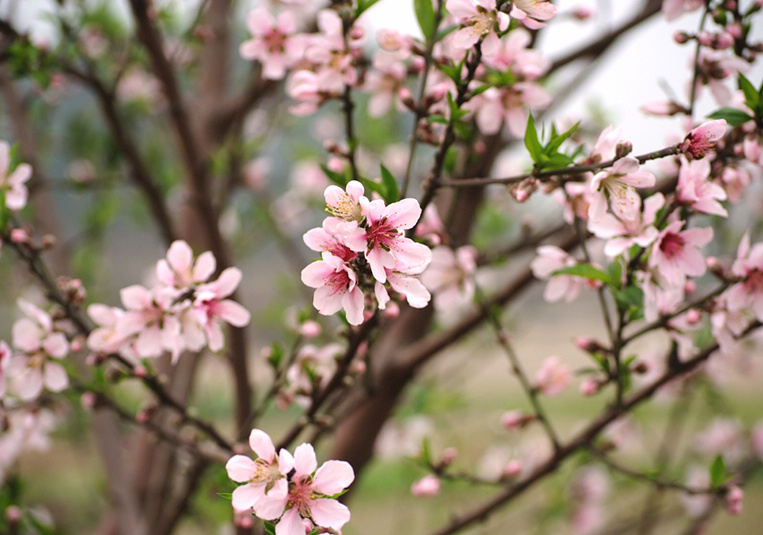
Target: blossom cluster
{"points": [[183, 311], [364, 250], [290, 490]]}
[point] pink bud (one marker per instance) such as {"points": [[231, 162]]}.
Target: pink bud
{"points": [[515, 420], [88, 400], [392, 310], [589, 387], [690, 286], [724, 40], [310, 329], [141, 417], [140, 371], [693, 316], [680, 37], [583, 12], [705, 38], [13, 514], [448, 456], [356, 33], [19, 235], [428, 485], [734, 499], [513, 468]]}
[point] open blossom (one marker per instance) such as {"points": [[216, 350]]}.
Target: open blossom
{"points": [[550, 259], [14, 184], [264, 475], [702, 139], [211, 308], [672, 9], [38, 346], [532, 13], [184, 311], [695, 189], [480, 20], [273, 42], [748, 266], [621, 234], [619, 182], [309, 495], [675, 253], [336, 287], [552, 377], [450, 276]]}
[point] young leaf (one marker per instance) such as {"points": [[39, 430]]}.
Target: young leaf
{"points": [[425, 17], [586, 271], [391, 191], [340, 179], [751, 96], [732, 116], [362, 6], [717, 472], [532, 142]]}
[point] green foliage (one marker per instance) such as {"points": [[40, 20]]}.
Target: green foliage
{"points": [[718, 475], [362, 6], [389, 185], [753, 99], [586, 271], [27, 60], [547, 157], [425, 16]]}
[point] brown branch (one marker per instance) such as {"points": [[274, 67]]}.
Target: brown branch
{"points": [[584, 439]]}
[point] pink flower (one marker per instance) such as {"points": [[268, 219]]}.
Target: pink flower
{"points": [[336, 288], [34, 367], [428, 485], [702, 139], [147, 322], [14, 184], [624, 233], [619, 183], [264, 475], [552, 377], [211, 308], [532, 13], [675, 253], [734, 499], [385, 244], [748, 266], [479, 21], [672, 9], [550, 259], [450, 276], [273, 43], [309, 495], [697, 191], [179, 269], [5, 358]]}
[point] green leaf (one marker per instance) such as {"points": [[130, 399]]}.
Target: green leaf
{"points": [[629, 297], [270, 528], [425, 16], [226, 495], [391, 191], [532, 142], [615, 271], [718, 472], [439, 119], [370, 185], [5, 213], [362, 6], [586, 271], [732, 116], [339, 179], [557, 140], [751, 95]]}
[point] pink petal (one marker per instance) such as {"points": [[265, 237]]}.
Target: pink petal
{"points": [[272, 504], [227, 282], [333, 477], [240, 468], [232, 312], [180, 256], [305, 462], [245, 496], [205, 267], [262, 445], [135, 297], [329, 513], [290, 524], [55, 377]]}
